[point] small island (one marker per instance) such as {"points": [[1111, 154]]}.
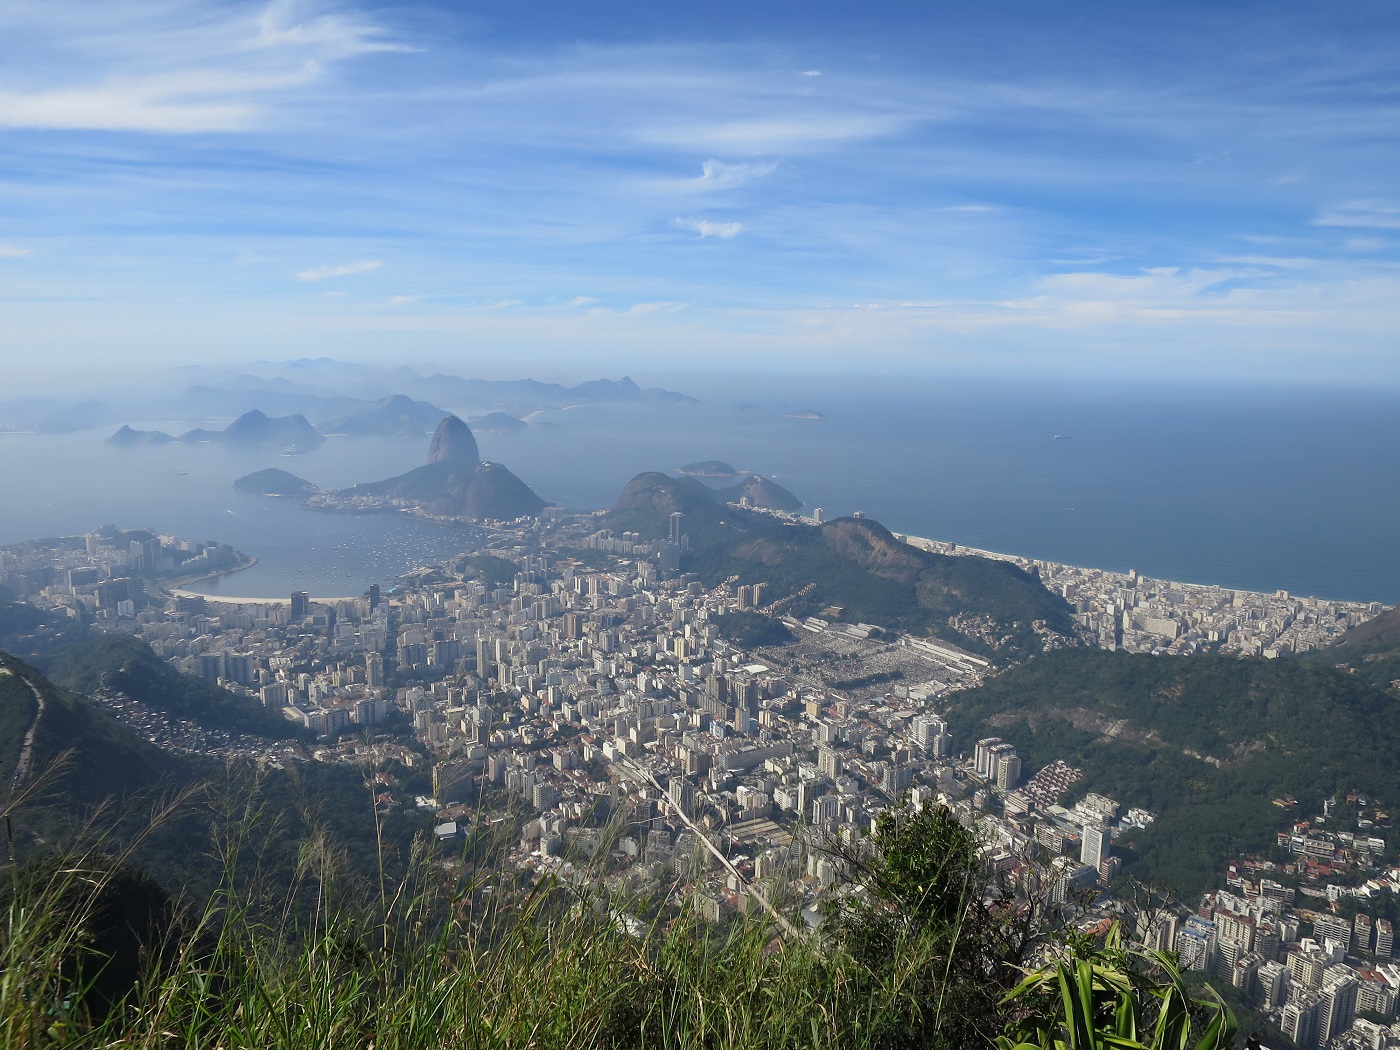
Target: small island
{"points": [[274, 482], [255, 428], [498, 423], [127, 436], [806, 414], [709, 468]]}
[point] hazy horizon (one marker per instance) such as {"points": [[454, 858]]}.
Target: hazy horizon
{"points": [[1098, 193]]}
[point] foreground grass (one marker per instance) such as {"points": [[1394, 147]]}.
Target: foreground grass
{"points": [[483, 968], [94, 955]]}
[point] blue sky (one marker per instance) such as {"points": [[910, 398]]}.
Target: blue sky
{"points": [[1114, 191]]}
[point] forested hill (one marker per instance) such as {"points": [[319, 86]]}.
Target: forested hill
{"points": [[1205, 742], [94, 783], [1370, 650], [103, 760], [986, 606], [128, 665], [27, 629]]}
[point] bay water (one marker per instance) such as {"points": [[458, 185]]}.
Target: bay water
{"points": [[1259, 489]]}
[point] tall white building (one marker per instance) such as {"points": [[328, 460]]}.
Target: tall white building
{"points": [[1094, 845]]}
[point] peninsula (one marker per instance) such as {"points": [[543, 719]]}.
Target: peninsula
{"points": [[454, 483], [274, 482]]}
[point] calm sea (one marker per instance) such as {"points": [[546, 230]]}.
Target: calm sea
{"points": [[1261, 490]]}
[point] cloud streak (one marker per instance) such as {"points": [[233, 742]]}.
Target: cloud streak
{"points": [[176, 68], [1372, 214], [721, 175], [323, 273], [725, 231]]}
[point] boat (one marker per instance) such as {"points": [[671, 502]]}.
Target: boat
{"points": [[1064, 437]]}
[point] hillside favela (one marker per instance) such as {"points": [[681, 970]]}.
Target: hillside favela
{"points": [[786, 528]]}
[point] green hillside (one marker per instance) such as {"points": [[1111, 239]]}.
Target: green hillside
{"points": [[26, 628], [986, 606], [1370, 651], [128, 665], [1205, 742], [110, 780], [105, 760]]}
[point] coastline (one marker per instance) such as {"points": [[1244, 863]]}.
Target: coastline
{"points": [[181, 590], [958, 550]]}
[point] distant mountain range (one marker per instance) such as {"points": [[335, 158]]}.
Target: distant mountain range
{"points": [[336, 397], [250, 430]]}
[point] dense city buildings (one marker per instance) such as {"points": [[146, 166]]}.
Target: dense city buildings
{"points": [[1136, 614], [572, 671]]}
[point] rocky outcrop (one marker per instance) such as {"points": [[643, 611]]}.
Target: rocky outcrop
{"points": [[453, 443], [454, 483]]}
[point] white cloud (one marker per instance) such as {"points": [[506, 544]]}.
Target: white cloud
{"points": [[1276, 262], [1153, 284], [174, 66], [795, 134], [706, 228], [324, 272], [657, 308], [718, 174], [10, 251], [120, 106], [1372, 214], [290, 23], [581, 300]]}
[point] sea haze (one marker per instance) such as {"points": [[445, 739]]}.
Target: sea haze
{"points": [[1261, 490]]}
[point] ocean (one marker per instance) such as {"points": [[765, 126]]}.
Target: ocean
{"points": [[1261, 489]]}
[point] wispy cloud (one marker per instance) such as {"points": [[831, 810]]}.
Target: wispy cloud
{"points": [[180, 66], [722, 175], [289, 23], [325, 272], [581, 300], [1371, 214], [785, 134], [707, 228], [10, 251], [161, 104], [1153, 285]]}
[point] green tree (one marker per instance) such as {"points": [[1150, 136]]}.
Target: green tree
{"points": [[927, 938]]}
